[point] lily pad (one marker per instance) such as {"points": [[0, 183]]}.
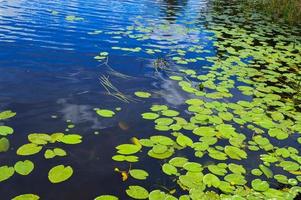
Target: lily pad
{"points": [[27, 197], [24, 167], [138, 174], [6, 130], [137, 192], [29, 149], [143, 94], [60, 173], [6, 172], [105, 112]]}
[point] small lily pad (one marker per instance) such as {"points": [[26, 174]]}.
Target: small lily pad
{"points": [[60, 173]]}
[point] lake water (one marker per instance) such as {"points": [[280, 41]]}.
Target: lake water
{"points": [[51, 77]]}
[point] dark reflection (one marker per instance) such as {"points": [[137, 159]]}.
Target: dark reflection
{"points": [[172, 8]]}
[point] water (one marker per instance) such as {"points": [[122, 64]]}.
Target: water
{"points": [[47, 68]]}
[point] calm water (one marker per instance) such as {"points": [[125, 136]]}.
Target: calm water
{"points": [[47, 68]]}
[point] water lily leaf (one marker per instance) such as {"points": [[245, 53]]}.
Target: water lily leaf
{"points": [[4, 145], [256, 172], [260, 185], [59, 152], [226, 187], [161, 156], [27, 197], [217, 170], [6, 172], [157, 195], [184, 141], [170, 113], [169, 169], [121, 158], [137, 192], [178, 161], [60, 173], [204, 131], [160, 139], [128, 149], [157, 108], [159, 149], [193, 167], [289, 165], [49, 154], [143, 94], [237, 168], [7, 114], [28, 149], [235, 179], [138, 174], [235, 152], [39, 138], [106, 197], [211, 180], [6, 130], [24, 167], [105, 112], [150, 115], [71, 139], [267, 172]]}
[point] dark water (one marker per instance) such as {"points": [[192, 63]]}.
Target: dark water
{"points": [[47, 68]]}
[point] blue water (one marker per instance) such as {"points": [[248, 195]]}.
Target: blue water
{"points": [[47, 68]]}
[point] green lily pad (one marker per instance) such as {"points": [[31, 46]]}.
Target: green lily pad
{"points": [[7, 114], [143, 94], [235, 152], [71, 139], [150, 115], [28, 149], [138, 174], [260, 185], [24, 167], [193, 167], [105, 112], [4, 145], [27, 197], [60, 173], [106, 197], [211, 180], [6, 130], [137, 192], [6, 172], [178, 161], [169, 169], [128, 149]]}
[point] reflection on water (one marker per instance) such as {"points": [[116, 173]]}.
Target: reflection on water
{"points": [[47, 68]]}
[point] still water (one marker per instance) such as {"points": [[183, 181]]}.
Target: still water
{"points": [[50, 78]]}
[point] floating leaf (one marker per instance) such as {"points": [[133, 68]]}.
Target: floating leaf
{"points": [[193, 167], [137, 192], [7, 114], [150, 115], [6, 172], [106, 197], [71, 139], [260, 185], [4, 145], [6, 130], [235, 152], [29, 149], [142, 94], [169, 169], [60, 173], [178, 161], [24, 167], [138, 174], [128, 149], [105, 112], [27, 197], [211, 180]]}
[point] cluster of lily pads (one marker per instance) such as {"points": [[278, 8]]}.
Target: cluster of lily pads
{"points": [[245, 108], [38, 141]]}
